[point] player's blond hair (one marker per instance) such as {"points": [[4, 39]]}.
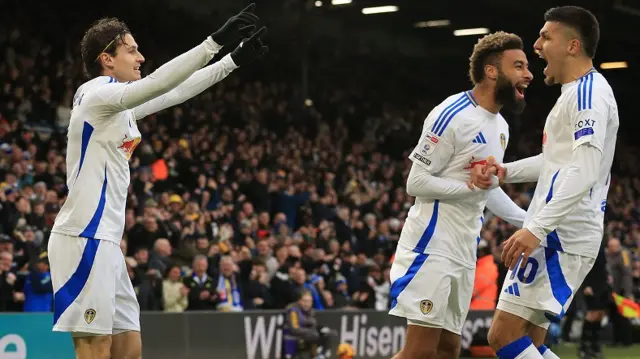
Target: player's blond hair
{"points": [[488, 50]]}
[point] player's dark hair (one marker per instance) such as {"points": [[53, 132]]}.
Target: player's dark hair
{"points": [[105, 35], [580, 20], [488, 51]]}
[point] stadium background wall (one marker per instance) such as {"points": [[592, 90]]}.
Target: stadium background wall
{"points": [[250, 335]]}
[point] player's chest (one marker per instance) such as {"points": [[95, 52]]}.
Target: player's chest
{"points": [[124, 135], [481, 142], [556, 136]]}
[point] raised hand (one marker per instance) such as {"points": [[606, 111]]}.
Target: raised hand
{"points": [[250, 49], [238, 26]]}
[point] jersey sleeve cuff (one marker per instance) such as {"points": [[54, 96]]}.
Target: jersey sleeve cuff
{"points": [[228, 63], [537, 231], [212, 46]]}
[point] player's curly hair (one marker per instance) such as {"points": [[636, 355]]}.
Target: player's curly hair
{"points": [[105, 35], [488, 51]]}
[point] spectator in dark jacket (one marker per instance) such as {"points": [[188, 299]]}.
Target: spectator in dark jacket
{"points": [[202, 289]]}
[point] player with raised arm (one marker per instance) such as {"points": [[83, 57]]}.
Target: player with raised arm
{"points": [[550, 257], [93, 295], [434, 267]]}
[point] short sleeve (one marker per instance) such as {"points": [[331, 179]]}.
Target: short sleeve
{"points": [[589, 114], [433, 151]]}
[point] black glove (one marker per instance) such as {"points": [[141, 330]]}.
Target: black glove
{"points": [[238, 26], [250, 49]]}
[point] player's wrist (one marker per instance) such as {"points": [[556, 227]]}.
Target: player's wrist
{"points": [[537, 231]]}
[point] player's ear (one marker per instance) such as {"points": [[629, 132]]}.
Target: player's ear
{"points": [[491, 71], [574, 46], [106, 60]]}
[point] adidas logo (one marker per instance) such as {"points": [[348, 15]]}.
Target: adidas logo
{"points": [[479, 139], [513, 289]]}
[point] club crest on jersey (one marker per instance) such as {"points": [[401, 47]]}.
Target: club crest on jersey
{"points": [[89, 315], [426, 306], [503, 141], [128, 146]]}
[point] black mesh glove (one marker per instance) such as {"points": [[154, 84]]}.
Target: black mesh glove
{"points": [[238, 26], [250, 49]]}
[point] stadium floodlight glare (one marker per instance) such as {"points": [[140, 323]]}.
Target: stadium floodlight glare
{"points": [[318, 3], [614, 65], [432, 23], [469, 32], [379, 9], [340, 2]]}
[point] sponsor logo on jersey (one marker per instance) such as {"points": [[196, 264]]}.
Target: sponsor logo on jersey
{"points": [[89, 315], [128, 146], [428, 144], [587, 131], [585, 123], [426, 306], [422, 159], [503, 141]]}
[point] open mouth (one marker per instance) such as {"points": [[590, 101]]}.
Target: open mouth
{"points": [[545, 60], [520, 90], [137, 69]]}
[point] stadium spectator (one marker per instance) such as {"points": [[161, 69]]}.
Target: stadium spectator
{"points": [[174, 292]]}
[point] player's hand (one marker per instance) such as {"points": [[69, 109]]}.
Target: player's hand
{"points": [[481, 177], [250, 48], [518, 248], [588, 291], [485, 176], [238, 26]]}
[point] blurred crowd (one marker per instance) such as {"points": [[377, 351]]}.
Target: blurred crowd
{"points": [[245, 196]]}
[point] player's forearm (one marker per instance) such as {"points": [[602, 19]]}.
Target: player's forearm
{"points": [[579, 177], [421, 183], [162, 80], [502, 206], [193, 86], [524, 170]]}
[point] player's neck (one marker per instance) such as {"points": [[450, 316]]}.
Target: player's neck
{"points": [[576, 68], [486, 98]]}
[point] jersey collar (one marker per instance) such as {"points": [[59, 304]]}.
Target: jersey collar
{"points": [[570, 84]]}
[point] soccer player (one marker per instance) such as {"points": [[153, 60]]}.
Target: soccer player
{"points": [[434, 267], [94, 297], [550, 257]]}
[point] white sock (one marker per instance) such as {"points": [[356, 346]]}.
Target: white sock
{"points": [[547, 353], [522, 348]]}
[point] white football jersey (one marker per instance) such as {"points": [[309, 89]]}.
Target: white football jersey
{"points": [[457, 135], [100, 144], [585, 112]]}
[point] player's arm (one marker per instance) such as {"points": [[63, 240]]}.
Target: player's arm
{"points": [[574, 181], [500, 204], [524, 170], [429, 157], [193, 86], [115, 97]]}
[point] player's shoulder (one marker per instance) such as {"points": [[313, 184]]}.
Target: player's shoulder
{"points": [[455, 106], [587, 91], [455, 102]]}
